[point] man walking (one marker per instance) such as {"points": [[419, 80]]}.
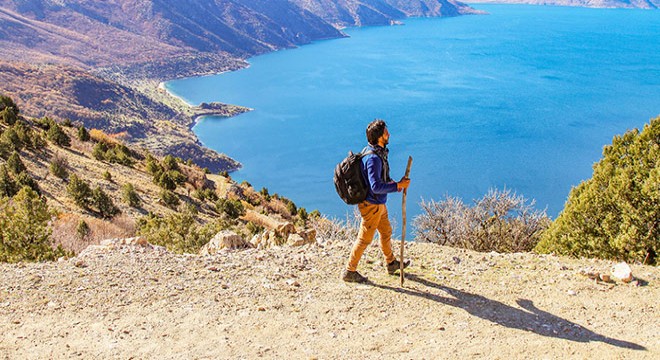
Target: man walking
{"points": [[373, 210]]}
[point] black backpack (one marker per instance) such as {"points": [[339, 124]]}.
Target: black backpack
{"points": [[349, 178]]}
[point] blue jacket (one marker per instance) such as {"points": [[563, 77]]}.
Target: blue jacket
{"points": [[379, 187]]}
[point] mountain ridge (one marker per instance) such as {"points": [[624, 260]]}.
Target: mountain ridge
{"points": [[130, 46]]}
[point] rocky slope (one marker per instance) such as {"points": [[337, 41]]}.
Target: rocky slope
{"points": [[99, 63], [143, 302], [629, 4]]}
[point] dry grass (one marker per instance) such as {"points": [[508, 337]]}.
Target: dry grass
{"points": [[65, 230]]}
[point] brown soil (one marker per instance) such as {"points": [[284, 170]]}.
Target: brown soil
{"points": [[143, 302]]}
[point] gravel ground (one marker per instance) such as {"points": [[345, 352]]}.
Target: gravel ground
{"points": [[142, 302]]}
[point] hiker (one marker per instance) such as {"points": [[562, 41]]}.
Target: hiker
{"points": [[376, 171]]}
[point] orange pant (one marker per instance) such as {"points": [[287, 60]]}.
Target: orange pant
{"points": [[374, 217]]}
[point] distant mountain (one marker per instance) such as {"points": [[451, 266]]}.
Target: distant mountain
{"points": [[99, 62], [380, 12], [639, 4], [95, 33]]}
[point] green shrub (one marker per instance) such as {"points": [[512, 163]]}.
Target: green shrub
{"points": [[8, 187], [82, 230], [11, 141], [232, 208], [153, 166], [58, 167], [264, 193], [169, 198], [131, 196], [614, 215], [79, 191], [83, 134], [45, 123], [67, 123], [302, 217], [58, 136], [103, 203], [253, 228], [15, 164], [170, 163], [178, 232], [290, 206], [500, 221], [99, 151], [25, 229], [8, 110], [107, 176], [6, 148], [205, 194], [114, 153], [25, 180]]}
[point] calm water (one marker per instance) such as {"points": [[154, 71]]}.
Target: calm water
{"points": [[524, 98]]}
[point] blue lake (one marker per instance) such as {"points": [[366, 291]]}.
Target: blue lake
{"points": [[524, 98]]}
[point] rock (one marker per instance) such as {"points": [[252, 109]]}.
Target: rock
{"points": [[605, 278], [282, 228], [302, 238], [295, 240], [309, 236], [622, 272], [225, 239], [134, 241], [571, 293]]}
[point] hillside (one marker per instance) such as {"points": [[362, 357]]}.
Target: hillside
{"points": [[65, 185], [142, 302], [100, 63]]}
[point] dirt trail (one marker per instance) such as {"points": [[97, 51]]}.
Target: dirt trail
{"points": [[142, 303]]}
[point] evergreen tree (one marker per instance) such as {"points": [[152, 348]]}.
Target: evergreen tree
{"points": [[170, 163], [8, 186], [82, 230], [130, 196], [8, 110], [616, 213], [79, 191], [83, 134], [14, 164], [25, 180], [25, 229], [58, 136], [103, 203]]}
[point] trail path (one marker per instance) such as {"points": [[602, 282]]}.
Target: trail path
{"points": [[143, 303]]}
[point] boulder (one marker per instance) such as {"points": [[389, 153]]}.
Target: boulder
{"points": [[283, 228], [225, 239], [295, 240], [302, 238], [623, 272], [309, 236]]}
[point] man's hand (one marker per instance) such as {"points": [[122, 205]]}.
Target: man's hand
{"points": [[403, 184]]}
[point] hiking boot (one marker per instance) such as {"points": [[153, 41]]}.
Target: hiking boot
{"points": [[353, 276], [396, 265]]}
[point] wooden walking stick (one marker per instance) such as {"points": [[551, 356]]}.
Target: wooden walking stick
{"points": [[403, 229]]}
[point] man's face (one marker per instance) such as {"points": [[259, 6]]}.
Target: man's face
{"points": [[385, 138]]}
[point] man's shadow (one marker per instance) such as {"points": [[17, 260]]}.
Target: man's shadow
{"points": [[530, 319]]}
